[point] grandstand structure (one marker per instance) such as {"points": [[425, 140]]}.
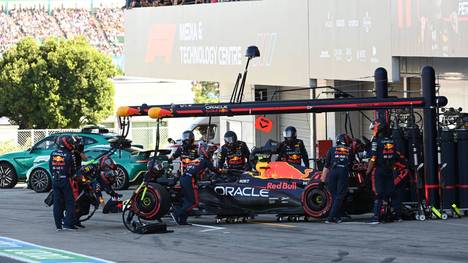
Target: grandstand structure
{"points": [[99, 21]]}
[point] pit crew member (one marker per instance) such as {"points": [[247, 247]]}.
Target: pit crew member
{"points": [[292, 150], [61, 165], [338, 165], [386, 160], [234, 154], [187, 152], [188, 182]]}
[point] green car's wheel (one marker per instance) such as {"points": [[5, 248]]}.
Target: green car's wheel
{"points": [[121, 179], [8, 177], [39, 181]]}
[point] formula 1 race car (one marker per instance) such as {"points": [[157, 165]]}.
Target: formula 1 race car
{"points": [[288, 191]]}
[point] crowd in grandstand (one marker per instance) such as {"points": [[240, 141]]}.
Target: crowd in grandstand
{"points": [[146, 3], [102, 27]]}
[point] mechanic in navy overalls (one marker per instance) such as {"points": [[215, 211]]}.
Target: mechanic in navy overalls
{"points": [[292, 150], [384, 158], [62, 167], [188, 182], [234, 153], [338, 165], [187, 152]]}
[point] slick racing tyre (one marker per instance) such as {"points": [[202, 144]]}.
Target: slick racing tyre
{"points": [[39, 181], [154, 204], [8, 177], [316, 202]]}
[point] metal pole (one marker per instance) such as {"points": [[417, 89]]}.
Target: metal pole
{"points": [[381, 92], [381, 83], [429, 137], [314, 126]]}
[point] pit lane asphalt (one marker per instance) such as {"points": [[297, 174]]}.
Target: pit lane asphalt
{"points": [[24, 216]]}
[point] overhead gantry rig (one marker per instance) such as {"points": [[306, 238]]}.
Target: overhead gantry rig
{"points": [[235, 107]]}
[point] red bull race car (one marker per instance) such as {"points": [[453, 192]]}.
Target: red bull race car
{"points": [[291, 192]]}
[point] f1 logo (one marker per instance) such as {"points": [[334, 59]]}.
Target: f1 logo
{"points": [[160, 42]]}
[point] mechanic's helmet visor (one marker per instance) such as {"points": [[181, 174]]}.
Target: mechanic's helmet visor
{"points": [[88, 171], [230, 139], [289, 134], [187, 137], [343, 139]]}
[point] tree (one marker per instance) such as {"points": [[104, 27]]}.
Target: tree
{"points": [[206, 92], [56, 83]]}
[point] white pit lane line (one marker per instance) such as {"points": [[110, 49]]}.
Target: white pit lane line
{"points": [[209, 228]]}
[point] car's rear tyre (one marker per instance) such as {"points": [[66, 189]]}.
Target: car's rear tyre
{"points": [[8, 177], [154, 204], [40, 181], [121, 179], [316, 202]]}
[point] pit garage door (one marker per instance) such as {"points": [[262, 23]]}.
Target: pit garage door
{"points": [[302, 121]]}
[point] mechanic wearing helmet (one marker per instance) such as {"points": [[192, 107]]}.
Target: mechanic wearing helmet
{"points": [[384, 158], [61, 165], [188, 182], [292, 150], [187, 152], [234, 153], [107, 175], [338, 165]]}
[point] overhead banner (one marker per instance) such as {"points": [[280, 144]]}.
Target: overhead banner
{"points": [[208, 42], [430, 28], [349, 39]]}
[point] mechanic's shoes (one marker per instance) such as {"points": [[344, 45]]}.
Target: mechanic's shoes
{"points": [[66, 228], [179, 220], [70, 228], [374, 221], [347, 216], [333, 220], [79, 225]]}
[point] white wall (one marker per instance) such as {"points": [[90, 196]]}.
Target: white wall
{"points": [[131, 91]]}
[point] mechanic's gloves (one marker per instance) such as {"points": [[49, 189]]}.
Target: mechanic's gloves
{"points": [[116, 196]]}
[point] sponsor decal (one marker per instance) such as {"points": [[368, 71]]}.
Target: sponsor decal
{"points": [[263, 124], [281, 186], [58, 160], [241, 191]]}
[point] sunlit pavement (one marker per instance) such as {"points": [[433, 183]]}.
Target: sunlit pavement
{"points": [[24, 216]]}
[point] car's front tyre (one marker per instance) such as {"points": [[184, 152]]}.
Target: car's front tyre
{"points": [[40, 181], [8, 176], [121, 179]]}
